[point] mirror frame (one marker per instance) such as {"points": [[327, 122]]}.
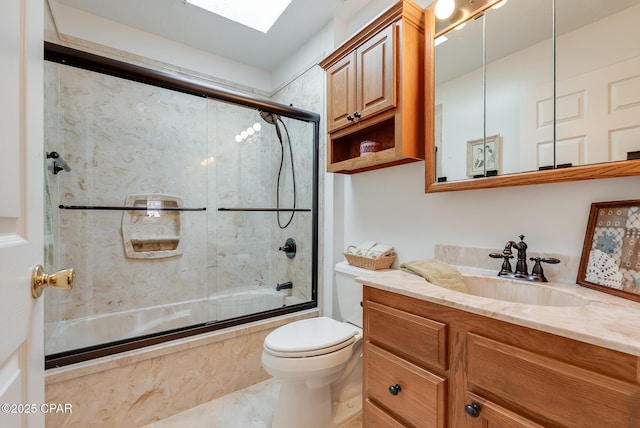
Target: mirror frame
{"points": [[433, 30]]}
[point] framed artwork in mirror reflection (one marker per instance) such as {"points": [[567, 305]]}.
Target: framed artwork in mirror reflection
{"points": [[483, 155], [610, 259]]}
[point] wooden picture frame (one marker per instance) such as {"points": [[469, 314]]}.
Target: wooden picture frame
{"points": [[610, 259], [483, 155]]}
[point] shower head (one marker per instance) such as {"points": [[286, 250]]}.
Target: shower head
{"points": [[270, 118]]}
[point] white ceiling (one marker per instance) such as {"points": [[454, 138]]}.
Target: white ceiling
{"points": [[192, 26]]}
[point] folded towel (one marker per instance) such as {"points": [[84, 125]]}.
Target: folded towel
{"points": [[438, 273], [378, 251], [362, 249]]}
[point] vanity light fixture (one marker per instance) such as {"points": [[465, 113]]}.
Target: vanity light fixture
{"points": [[499, 4], [257, 14], [444, 8]]}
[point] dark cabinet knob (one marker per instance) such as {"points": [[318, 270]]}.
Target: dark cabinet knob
{"points": [[350, 118], [394, 389], [357, 115], [473, 409]]}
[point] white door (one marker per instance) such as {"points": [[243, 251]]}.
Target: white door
{"points": [[21, 225]]}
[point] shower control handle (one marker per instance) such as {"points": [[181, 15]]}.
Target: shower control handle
{"points": [[289, 248], [63, 279]]}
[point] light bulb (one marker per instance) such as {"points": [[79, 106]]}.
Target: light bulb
{"points": [[238, 138], [250, 131], [499, 4], [444, 8], [244, 134], [257, 127]]}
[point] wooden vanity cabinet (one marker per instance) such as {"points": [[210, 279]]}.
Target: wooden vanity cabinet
{"points": [[460, 369], [375, 91]]}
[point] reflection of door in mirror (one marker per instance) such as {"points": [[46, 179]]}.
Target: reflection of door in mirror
{"points": [[519, 58], [597, 105], [597, 81], [459, 93]]}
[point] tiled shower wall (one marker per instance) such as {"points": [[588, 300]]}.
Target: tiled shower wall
{"points": [[122, 138]]}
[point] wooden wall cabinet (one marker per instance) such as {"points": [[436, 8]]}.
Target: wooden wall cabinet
{"points": [[375, 91], [427, 365]]}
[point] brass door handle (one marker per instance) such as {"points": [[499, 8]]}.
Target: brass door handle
{"points": [[62, 279]]}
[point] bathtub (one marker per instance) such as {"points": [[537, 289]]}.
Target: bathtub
{"points": [[61, 336]]}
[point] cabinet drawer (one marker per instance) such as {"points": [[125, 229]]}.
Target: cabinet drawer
{"points": [[420, 400], [416, 337], [543, 388], [375, 417]]}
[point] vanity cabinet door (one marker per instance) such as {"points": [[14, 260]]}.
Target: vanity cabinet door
{"points": [[414, 394], [490, 415], [546, 389]]}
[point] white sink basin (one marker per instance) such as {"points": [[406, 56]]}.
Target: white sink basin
{"points": [[517, 291]]}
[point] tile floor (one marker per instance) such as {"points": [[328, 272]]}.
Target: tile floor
{"points": [[251, 407]]}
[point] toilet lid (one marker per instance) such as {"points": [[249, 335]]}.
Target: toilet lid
{"points": [[309, 336]]}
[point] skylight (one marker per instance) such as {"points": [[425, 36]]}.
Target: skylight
{"points": [[257, 14]]}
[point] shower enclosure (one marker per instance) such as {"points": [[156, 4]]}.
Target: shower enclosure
{"points": [[183, 208]]}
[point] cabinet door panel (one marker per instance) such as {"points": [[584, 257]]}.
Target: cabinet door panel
{"points": [[341, 96], [420, 396], [376, 73], [413, 336], [549, 389], [494, 416]]}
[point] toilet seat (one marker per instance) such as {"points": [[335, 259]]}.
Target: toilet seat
{"points": [[310, 337]]}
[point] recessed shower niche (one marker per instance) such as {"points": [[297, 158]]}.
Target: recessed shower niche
{"points": [[153, 229]]}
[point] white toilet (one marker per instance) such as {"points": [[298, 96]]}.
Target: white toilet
{"points": [[319, 361]]}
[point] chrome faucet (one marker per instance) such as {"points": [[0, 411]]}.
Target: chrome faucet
{"points": [[522, 270]]}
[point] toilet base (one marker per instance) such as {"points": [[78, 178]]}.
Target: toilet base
{"points": [[300, 406]]}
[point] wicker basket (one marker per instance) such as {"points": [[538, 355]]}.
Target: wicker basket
{"points": [[383, 262]]}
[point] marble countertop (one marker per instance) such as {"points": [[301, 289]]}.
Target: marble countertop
{"points": [[605, 320]]}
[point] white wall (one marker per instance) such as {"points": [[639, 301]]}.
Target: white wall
{"points": [[390, 206]]}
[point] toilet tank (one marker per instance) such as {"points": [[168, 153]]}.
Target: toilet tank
{"points": [[350, 292]]}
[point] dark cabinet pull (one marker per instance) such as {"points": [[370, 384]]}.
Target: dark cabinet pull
{"points": [[473, 409], [357, 115], [394, 389], [350, 118]]}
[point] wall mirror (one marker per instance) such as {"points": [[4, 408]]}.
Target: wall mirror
{"points": [[542, 90]]}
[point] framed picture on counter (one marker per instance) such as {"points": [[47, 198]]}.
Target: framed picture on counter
{"points": [[610, 259]]}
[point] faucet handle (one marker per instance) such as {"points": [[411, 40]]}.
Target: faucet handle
{"points": [[500, 256], [506, 265], [536, 273]]}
